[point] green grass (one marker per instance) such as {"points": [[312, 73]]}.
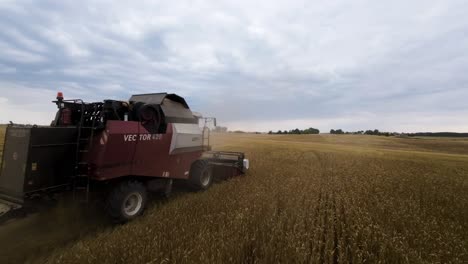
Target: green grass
{"points": [[306, 199]]}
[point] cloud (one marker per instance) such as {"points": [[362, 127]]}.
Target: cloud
{"points": [[38, 109], [6, 69], [263, 65], [21, 40], [12, 54]]}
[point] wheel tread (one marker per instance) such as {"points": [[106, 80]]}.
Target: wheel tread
{"points": [[118, 194], [195, 175]]}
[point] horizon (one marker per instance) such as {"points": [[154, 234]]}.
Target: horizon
{"points": [[395, 66], [321, 132]]}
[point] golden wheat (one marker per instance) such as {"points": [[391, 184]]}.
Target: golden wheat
{"points": [[306, 199]]}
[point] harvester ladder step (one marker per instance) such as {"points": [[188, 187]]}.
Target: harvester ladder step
{"points": [[81, 181], [205, 136]]}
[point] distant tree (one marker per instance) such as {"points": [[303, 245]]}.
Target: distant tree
{"points": [[338, 131], [310, 130], [296, 131], [270, 132]]}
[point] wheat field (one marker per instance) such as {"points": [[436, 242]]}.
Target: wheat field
{"points": [[306, 199]]}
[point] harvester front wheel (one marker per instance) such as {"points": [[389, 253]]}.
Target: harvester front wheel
{"points": [[126, 201], [201, 175]]}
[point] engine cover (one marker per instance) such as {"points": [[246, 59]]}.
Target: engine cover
{"points": [[186, 138]]}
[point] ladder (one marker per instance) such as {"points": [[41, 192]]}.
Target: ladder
{"points": [[206, 137], [85, 133], [206, 132]]}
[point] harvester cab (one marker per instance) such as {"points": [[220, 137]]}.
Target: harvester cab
{"points": [[122, 148]]}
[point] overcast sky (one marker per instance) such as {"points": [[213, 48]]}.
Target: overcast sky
{"points": [[256, 65]]}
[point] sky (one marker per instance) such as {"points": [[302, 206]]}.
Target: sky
{"points": [[255, 65]]}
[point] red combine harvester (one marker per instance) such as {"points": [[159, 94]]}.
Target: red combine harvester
{"points": [[117, 148]]}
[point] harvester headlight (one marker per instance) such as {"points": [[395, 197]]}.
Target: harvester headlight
{"points": [[246, 164]]}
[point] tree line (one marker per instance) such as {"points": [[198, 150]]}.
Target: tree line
{"points": [[297, 131], [374, 132]]}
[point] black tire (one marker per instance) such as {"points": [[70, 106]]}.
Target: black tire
{"points": [[126, 201], [201, 175]]}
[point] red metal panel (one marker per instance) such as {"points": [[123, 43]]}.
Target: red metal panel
{"points": [[111, 155], [152, 156], [126, 148]]}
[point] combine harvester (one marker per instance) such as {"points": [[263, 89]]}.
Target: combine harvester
{"points": [[114, 150]]}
